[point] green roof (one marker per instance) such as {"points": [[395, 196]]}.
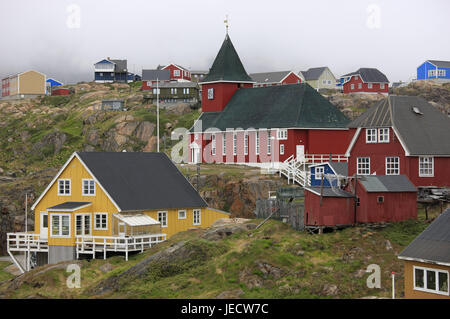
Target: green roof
{"points": [[227, 66], [281, 106]]}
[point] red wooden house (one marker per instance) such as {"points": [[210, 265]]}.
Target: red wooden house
{"points": [[365, 80], [150, 77], [264, 125], [177, 72], [275, 78], [402, 135], [379, 198]]}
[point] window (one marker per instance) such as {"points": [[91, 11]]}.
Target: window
{"points": [[224, 143], [371, 135], [282, 134], [369, 85], [363, 166], [83, 224], [88, 187], [197, 217], [358, 201], [431, 73], [318, 172], [380, 199], [269, 142], [356, 77], [257, 143], [245, 143], [176, 72], [210, 93], [426, 167], [382, 86], [234, 143], [441, 73], [281, 149], [329, 82], [64, 187], [60, 224], [431, 280], [213, 144], [352, 86], [324, 81], [101, 221], [162, 218], [181, 214], [149, 83], [156, 91], [359, 85], [392, 165], [383, 135]]}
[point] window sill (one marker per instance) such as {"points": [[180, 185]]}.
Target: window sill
{"points": [[432, 291]]}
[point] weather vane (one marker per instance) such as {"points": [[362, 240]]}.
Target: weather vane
{"points": [[226, 22]]}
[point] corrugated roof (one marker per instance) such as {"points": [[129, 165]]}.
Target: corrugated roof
{"points": [[227, 66], [386, 183], [440, 64], [269, 77], [142, 181], [330, 192], [137, 220], [433, 244], [153, 75], [341, 168], [423, 134], [69, 206], [280, 106]]}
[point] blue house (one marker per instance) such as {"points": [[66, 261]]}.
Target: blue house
{"points": [[109, 71], [50, 83], [438, 71], [338, 169]]}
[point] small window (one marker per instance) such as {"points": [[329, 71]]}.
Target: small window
{"points": [[213, 144], [426, 166], [181, 214], [383, 135], [245, 143], [431, 280], [369, 85], [359, 85], [211, 94], [282, 134], [318, 172], [382, 86], [197, 217], [176, 72], [392, 165], [162, 218], [224, 144], [234, 143], [380, 199], [281, 149], [358, 201], [371, 135], [64, 187], [88, 187], [352, 86], [101, 221], [363, 166]]}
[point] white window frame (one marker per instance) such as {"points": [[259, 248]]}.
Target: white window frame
{"points": [[257, 143], [211, 94], [60, 225], [282, 134], [425, 283], [318, 172], [176, 73], [281, 149], [383, 135], [369, 85], [199, 217], [89, 186], [392, 165], [429, 162], [185, 214], [101, 215], [359, 164], [224, 143], [359, 85], [371, 135], [70, 187], [82, 223], [381, 85], [245, 143], [269, 142], [352, 86], [234, 143], [213, 144], [160, 219]]}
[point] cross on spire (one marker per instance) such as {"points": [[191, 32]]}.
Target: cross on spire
{"points": [[226, 22]]}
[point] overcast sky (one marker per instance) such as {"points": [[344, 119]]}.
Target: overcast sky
{"points": [[63, 39]]}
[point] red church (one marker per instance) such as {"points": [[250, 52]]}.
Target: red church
{"points": [[402, 135], [262, 126], [365, 80]]}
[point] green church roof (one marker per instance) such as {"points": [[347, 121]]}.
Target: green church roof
{"points": [[281, 106], [227, 66]]}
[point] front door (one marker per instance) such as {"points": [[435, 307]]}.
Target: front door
{"points": [[300, 152], [43, 233]]}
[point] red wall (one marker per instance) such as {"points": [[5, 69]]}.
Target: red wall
{"points": [[172, 68], [60, 92], [365, 86], [333, 211], [222, 94], [292, 79], [328, 141], [409, 165], [5, 87]]}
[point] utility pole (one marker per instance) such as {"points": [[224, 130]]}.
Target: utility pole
{"points": [[26, 212], [356, 197], [157, 115]]}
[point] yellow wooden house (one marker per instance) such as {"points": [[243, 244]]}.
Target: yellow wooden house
{"points": [[102, 201]]}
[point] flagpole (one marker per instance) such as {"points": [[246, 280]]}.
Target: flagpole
{"points": [[157, 115]]}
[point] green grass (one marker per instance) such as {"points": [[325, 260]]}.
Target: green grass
{"points": [[4, 276]]}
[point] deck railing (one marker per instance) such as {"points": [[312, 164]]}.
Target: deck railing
{"points": [[26, 242], [92, 244]]}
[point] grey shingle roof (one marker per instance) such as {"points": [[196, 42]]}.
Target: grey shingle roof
{"points": [[153, 75], [386, 183], [370, 75], [69, 205], [433, 244], [313, 73], [440, 64], [269, 77], [280, 106], [142, 181], [423, 134], [121, 65], [330, 192]]}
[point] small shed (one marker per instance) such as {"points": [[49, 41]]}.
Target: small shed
{"points": [[113, 105], [60, 91], [335, 171], [328, 206], [385, 198]]}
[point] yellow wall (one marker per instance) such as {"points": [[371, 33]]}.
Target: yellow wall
{"points": [[175, 225], [410, 293], [31, 82]]}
